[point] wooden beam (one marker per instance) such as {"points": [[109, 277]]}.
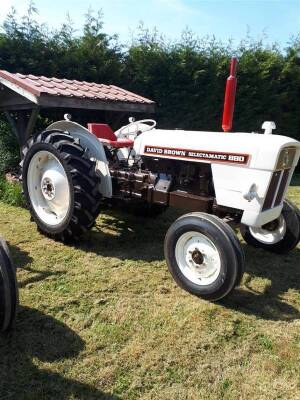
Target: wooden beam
{"points": [[18, 89], [22, 127], [12, 124], [31, 123], [88, 104], [10, 100], [17, 107], [15, 129]]}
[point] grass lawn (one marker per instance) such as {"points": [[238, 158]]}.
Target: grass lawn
{"points": [[104, 320]]}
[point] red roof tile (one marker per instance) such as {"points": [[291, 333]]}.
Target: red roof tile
{"points": [[41, 85]]}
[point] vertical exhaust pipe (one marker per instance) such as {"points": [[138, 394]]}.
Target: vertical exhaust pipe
{"points": [[229, 100]]}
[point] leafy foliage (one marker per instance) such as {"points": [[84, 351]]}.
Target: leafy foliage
{"points": [[186, 77], [9, 149], [11, 193]]}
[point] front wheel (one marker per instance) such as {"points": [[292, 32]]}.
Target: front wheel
{"points": [[279, 236], [203, 257]]}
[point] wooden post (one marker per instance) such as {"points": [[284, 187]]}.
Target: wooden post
{"points": [[22, 129]]}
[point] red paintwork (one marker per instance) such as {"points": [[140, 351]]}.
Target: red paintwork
{"points": [[102, 131], [106, 135], [229, 97]]}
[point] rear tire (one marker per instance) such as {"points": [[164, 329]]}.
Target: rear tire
{"points": [[203, 256], [60, 185], [279, 236], [8, 289]]}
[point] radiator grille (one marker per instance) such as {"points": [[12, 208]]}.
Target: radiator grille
{"points": [[276, 189], [282, 186], [272, 190]]}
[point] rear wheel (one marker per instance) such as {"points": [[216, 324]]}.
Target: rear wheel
{"points": [[203, 257], [279, 236], [8, 289], [60, 185]]}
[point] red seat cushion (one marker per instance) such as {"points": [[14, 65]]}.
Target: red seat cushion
{"points": [[106, 135]]}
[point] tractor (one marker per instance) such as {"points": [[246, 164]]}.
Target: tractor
{"points": [[224, 180]]}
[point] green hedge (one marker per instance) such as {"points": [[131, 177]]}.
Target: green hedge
{"points": [[186, 77], [9, 149]]}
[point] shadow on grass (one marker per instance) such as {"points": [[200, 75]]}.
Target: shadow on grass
{"points": [[282, 273], [295, 180], [22, 260], [137, 238], [41, 337], [128, 237]]}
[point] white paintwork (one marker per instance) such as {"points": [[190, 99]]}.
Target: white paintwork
{"points": [[268, 126], [251, 194], [266, 236], [239, 186], [130, 132], [263, 149], [48, 188], [204, 273], [231, 181], [95, 148]]}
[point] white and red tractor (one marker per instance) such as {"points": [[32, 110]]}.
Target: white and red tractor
{"points": [[221, 179]]}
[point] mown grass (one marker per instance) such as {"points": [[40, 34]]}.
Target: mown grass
{"points": [[104, 319]]}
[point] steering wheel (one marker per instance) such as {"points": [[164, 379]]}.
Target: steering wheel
{"points": [[128, 132]]}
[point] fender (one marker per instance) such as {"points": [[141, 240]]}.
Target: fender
{"points": [[95, 149]]}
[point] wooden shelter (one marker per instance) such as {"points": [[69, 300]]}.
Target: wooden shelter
{"points": [[23, 96]]}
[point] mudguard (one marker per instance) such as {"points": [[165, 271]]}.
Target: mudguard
{"points": [[94, 147]]}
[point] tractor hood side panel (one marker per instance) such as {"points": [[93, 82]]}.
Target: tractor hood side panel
{"points": [[238, 161]]}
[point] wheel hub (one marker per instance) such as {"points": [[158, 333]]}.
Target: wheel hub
{"points": [[272, 226], [270, 233], [198, 258], [48, 189]]}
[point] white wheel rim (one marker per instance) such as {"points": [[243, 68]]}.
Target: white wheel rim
{"points": [[268, 236], [198, 258], [48, 188]]}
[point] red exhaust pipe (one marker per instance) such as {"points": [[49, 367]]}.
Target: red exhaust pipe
{"points": [[229, 97]]}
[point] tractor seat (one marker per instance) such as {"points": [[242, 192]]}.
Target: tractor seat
{"points": [[106, 136]]}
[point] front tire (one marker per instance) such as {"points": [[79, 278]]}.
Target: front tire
{"points": [[203, 257], [279, 236], [8, 289], [60, 185]]}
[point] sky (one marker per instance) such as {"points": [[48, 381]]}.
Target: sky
{"points": [[226, 19]]}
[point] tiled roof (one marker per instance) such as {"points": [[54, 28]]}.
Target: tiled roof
{"points": [[41, 85]]}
